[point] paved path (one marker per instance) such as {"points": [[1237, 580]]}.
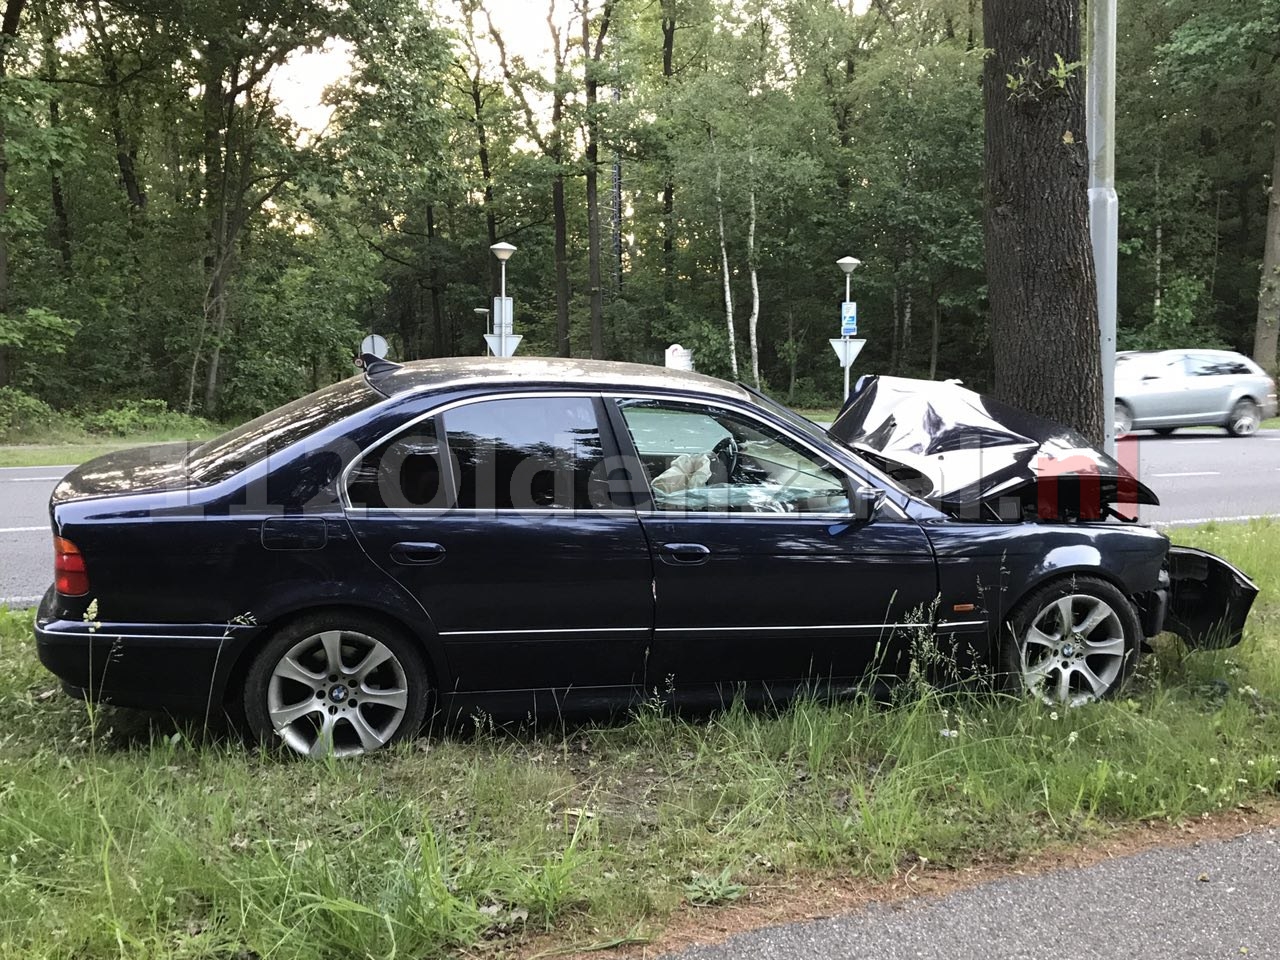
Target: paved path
{"points": [[1218, 899], [1198, 475]]}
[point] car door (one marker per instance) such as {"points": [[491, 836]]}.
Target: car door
{"points": [[759, 573], [1156, 390], [1209, 385], [493, 512]]}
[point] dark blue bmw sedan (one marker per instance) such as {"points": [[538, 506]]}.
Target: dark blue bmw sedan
{"points": [[539, 535]]}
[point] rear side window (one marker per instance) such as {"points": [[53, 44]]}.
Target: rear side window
{"points": [[523, 453], [272, 432], [406, 471]]}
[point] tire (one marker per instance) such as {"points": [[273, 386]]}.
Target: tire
{"points": [[294, 694], [1123, 418], [1098, 659], [1165, 431], [1245, 419]]}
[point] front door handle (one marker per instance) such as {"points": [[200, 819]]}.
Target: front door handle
{"points": [[417, 554], [685, 554]]}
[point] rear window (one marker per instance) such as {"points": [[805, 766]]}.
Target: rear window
{"points": [[272, 432]]}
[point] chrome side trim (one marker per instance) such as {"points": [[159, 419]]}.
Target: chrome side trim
{"points": [[499, 633], [946, 624], [814, 626]]}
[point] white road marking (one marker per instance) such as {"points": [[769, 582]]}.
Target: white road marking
{"points": [[1192, 473], [1199, 440], [19, 603], [1199, 520], [23, 529], [29, 479]]}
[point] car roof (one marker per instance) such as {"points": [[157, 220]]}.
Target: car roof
{"points": [[452, 372]]}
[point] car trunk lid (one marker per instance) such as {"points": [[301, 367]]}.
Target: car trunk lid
{"points": [[136, 470]]}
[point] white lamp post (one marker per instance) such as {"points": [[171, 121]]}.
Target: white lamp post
{"points": [[846, 347], [503, 252], [484, 312]]}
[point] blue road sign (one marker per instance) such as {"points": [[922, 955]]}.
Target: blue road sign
{"points": [[848, 319]]}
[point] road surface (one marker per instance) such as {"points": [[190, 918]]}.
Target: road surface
{"points": [[1198, 475], [1216, 899]]}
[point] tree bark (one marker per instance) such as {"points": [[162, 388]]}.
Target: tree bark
{"points": [[724, 261], [668, 186], [1040, 273], [437, 314], [57, 199], [933, 341], [126, 153], [754, 319], [1267, 334], [592, 84], [8, 36]]}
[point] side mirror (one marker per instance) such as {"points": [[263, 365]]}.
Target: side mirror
{"points": [[866, 502]]}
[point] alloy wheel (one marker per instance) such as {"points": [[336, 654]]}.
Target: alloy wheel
{"points": [[1123, 420], [340, 692], [1073, 652], [1245, 419]]}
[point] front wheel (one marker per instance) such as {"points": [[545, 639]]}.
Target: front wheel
{"points": [[1245, 419], [336, 683], [1072, 641]]}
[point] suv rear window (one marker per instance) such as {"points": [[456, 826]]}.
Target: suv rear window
{"points": [[272, 432]]}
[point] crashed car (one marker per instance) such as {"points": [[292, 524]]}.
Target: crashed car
{"points": [[538, 535]]}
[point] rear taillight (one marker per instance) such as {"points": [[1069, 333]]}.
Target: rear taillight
{"points": [[69, 576]]}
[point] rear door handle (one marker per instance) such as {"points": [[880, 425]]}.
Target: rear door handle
{"points": [[411, 554], [687, 554]]}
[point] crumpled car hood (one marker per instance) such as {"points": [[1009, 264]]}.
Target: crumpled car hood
{"points": [[977, 457]]}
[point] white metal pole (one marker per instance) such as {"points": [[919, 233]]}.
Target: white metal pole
{"points": [[502, 318], [1104, 205]]}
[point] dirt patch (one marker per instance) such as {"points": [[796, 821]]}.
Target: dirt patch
{"points": [[816, 897]]}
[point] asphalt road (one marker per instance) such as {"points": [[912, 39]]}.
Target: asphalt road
{"points": [[1198, 475], [1213, 900]]}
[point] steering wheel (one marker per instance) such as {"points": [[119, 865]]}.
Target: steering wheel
{"points": [[726, 451]]}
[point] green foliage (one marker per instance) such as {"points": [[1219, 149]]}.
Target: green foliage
{"points": [[24, 415], [142, 416]]}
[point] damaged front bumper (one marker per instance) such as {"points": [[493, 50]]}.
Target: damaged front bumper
{"points": [[1209, 599]]}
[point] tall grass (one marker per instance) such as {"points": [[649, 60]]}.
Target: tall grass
{"points": [[127, 835]]}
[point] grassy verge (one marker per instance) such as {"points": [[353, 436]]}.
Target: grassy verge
{"points": [[76, 449], [129, 837]]}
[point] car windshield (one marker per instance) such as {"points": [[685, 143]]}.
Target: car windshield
{"points": [[807, 428], [272, 432]]}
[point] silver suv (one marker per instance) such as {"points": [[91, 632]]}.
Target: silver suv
{"points": [[1188, 388]]}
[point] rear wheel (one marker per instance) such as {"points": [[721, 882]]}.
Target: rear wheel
{"points": [[1123, 418], [1072, 641], [1245, 419], [336, 683]]}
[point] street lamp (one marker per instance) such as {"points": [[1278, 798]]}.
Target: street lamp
{"points": [[484, 312], [848, 265], [503, 252], [847, 348]]}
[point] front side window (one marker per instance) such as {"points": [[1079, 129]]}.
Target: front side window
{"points": [[704, 458], [526, 453]]}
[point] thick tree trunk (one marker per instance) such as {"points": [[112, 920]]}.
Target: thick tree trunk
{"points": [[8, 34], [486, 173], [1267, 334], [1040, 274], [126, 153]]}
